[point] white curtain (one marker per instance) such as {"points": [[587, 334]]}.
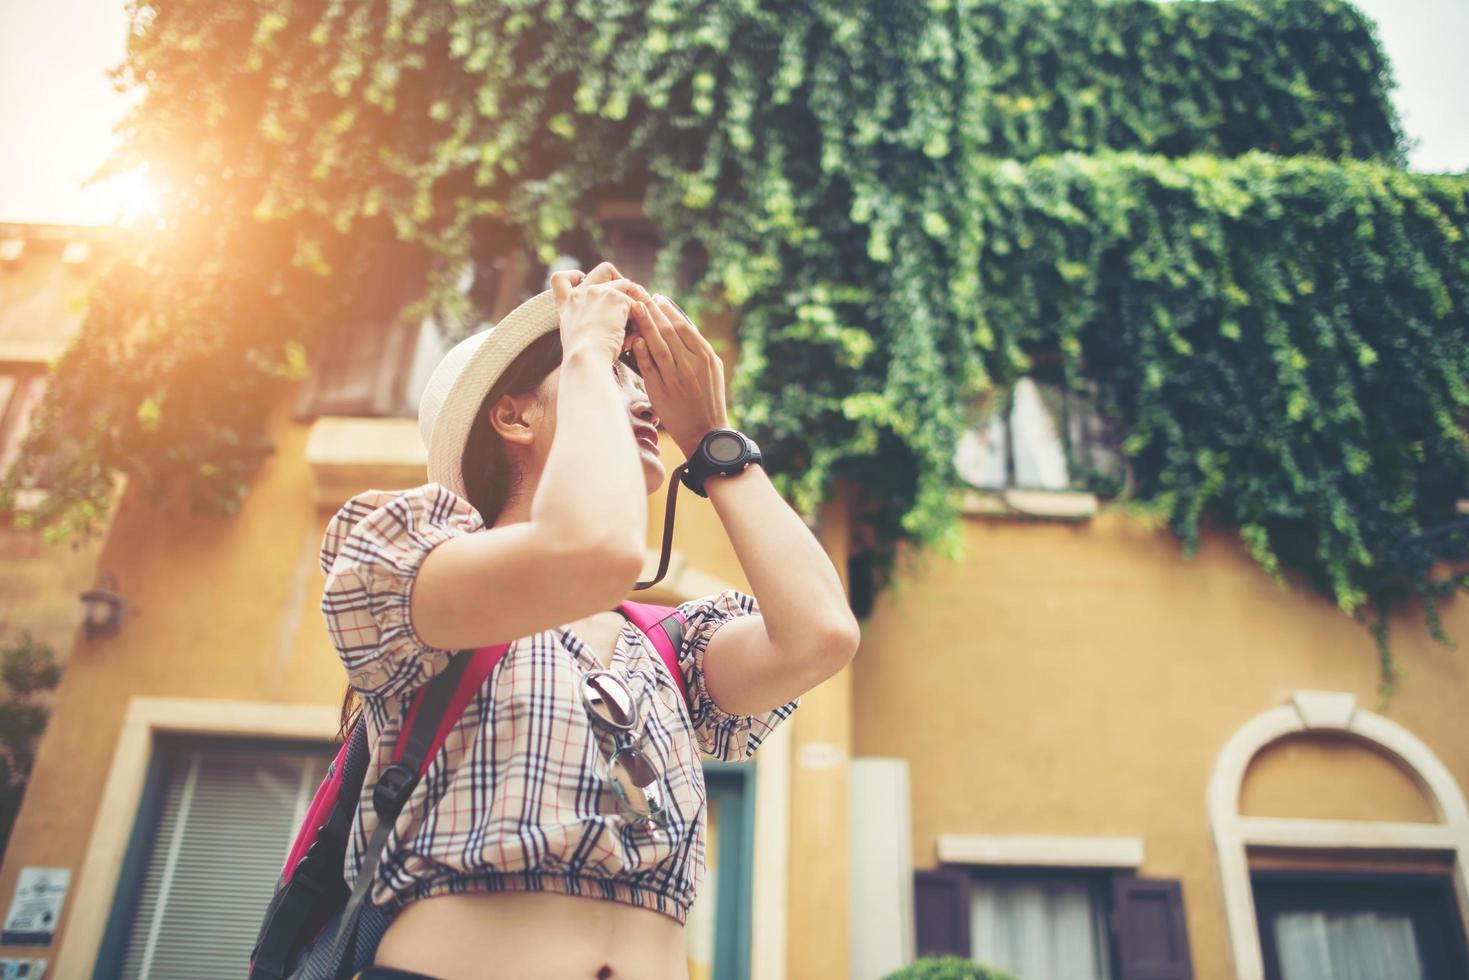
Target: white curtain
{"points": [[1040, 457], [1347, 946], [1039, 929], [980, 454], [1039, 453]]}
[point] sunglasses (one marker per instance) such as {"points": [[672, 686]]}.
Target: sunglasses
{"points": [[634, 773]]}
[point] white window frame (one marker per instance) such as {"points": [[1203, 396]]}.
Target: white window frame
{"points": [[148, 718], [1334, 713]]}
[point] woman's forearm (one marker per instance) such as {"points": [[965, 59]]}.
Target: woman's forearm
{"points": [[798, 590], [593, 480]]}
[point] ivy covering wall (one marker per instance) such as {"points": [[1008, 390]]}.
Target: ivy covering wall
{"points": [[904, 203]]}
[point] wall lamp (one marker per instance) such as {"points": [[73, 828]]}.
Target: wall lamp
{"points": [[103, 608]]}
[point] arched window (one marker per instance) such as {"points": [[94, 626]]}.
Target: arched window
{"points": [[1237, 836]]}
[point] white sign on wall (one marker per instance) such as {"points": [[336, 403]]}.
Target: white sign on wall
{"points": [[36, 906]]}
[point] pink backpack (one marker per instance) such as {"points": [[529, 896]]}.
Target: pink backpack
{"points": [[311, 924]]}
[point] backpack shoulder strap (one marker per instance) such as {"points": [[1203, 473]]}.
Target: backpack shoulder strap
{"points": [[440, 703], [311, 884], [664, 626], [353, 769], [435, 710]]}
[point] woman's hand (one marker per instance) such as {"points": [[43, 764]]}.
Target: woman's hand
{"points": [[683, 375], [593, 308]]}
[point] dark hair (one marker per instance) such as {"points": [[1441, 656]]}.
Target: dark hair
{"points": [[486, 470]]}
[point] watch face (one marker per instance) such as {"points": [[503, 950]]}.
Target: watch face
{"points": [[726, 447]]}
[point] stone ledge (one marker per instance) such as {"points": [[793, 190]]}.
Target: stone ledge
{"points": [[348, 455], [1040, 852], [1047, 505]]}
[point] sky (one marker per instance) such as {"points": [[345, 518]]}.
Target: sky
{"points": [[58, 108]]}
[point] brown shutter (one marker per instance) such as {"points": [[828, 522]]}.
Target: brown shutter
{"points": [[23, 392], [8, 439], [1151, 933], [632, 239], [511, 284], [360, 368], [941, 912]]}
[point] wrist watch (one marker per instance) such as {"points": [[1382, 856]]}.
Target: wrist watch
{"points": [[722, 452]]}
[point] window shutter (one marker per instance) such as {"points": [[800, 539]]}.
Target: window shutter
{"points": [[361, 363], [1152, 935], [8, 384], [632, 245], [225, 821], [24, 394], [941, 912], [361, 368]]}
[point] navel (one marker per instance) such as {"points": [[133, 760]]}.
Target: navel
{"points": [[605, 973]]}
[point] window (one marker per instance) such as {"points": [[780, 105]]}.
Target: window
{"points": [[375, 363], [362, 364], [632, 241], [217, 820], [361, 369], [21, 389], [1037, 435], [1346, 926], [1042, 924]]}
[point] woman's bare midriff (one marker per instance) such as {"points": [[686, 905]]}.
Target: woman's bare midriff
{"points": [[532, 935]]}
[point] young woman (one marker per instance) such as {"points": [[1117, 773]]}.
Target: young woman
{"points": [[515, 856]]}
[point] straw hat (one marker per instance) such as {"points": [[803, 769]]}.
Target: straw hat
{"points": [[462, 379]]}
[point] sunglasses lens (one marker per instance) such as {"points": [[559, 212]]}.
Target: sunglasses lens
{"points": [[636, 779], [632, 771], [635, 767], [610, 699]]}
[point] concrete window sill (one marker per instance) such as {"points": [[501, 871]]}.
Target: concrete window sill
{"points": [[28, 500], [1045, 505], [1040, 852], [348, 455]]}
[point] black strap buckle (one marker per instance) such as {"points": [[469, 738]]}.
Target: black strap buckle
{"points": [[393, 788], [312, 858]]}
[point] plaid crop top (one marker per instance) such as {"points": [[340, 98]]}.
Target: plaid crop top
{"points": [[517, 799]]}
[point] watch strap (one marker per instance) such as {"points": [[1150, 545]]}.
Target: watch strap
{"points": [[700, 467]]}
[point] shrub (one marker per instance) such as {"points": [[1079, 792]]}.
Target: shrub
{"points": [[947, 968]]}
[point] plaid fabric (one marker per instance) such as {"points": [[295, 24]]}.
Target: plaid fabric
{"points": [[520, 798]]}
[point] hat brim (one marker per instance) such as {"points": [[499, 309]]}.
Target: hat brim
{"points": [[515, 331]]}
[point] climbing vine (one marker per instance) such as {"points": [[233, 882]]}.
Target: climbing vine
{"points": [[28, 670], [904, 202]]}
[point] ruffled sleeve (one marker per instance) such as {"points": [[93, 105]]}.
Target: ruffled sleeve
{"points": [[371, 553], [723, 735]]}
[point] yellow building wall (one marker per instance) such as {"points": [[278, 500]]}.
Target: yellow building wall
{"points": [[40, 587], [216, 609], [1066, 679], [1082, 679], [39, 315]]}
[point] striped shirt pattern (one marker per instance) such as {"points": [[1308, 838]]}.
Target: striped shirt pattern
{"points": [[520, 798]]}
